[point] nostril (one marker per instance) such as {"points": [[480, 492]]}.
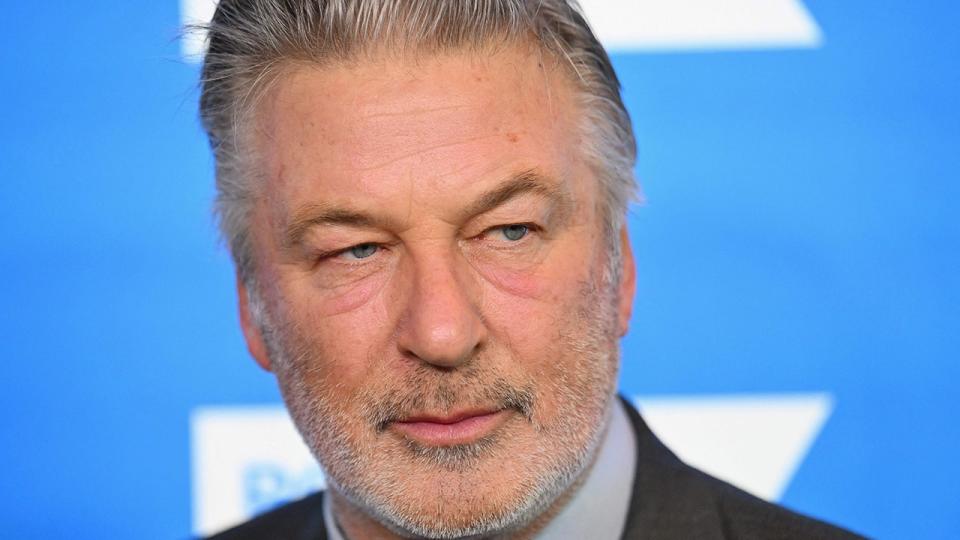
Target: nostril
{"points": [[440, 324]]}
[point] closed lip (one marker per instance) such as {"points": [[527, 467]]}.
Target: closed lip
{"points": [[461, 427], [448, 418]]}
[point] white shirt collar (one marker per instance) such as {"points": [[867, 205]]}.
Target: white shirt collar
{"points": [[598, 510]]}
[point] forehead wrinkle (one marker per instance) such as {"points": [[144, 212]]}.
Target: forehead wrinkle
{"points": [[411, 111], [418, 151]]}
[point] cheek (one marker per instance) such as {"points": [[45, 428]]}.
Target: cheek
{"points": [[359, 297], [545, 280], [344, 333], [526, 313], [533, 284], [533, 333], [548, 281]]}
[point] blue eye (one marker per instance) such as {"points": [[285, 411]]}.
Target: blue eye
{"points": [[362, 251], [514, 232]]}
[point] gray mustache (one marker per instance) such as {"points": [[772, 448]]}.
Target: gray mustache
{"points": [[444, 396]]}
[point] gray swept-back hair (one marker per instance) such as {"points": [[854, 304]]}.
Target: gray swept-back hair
{"points": [[250, 40]]}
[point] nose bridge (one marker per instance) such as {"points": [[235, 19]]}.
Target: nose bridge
{"points": [[442, 323]]}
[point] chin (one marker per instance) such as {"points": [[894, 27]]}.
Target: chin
{"points": [[497, 486], [442, 510]]}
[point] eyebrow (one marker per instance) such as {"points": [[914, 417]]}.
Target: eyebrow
{"points": [[312, 215], [529, 181], [526, 182]]}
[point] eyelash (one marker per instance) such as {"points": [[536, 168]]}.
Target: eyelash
{"points": [[325, 255], [530, 228]]}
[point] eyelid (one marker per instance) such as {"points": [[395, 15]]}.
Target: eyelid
{"points": [[528, 224], [323, 255], [531, 228]]}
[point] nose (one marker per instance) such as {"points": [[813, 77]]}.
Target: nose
{"points": [[441, 325]]}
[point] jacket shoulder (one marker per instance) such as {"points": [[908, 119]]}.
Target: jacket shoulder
{"points": [[299, 520], [673, 500], [740, 515], [745, 516]]}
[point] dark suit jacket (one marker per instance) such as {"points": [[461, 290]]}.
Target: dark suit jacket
{"points": [[670, 500]]}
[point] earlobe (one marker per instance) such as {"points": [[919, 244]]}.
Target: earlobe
{"points": [[628, 281], [251, 330]]}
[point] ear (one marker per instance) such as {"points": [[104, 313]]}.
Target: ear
{"points": [[628, 281], [251, 330]]}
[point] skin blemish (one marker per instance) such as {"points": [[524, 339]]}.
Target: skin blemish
{"points": [[513, 137]]}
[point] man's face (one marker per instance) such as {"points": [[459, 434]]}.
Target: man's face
{"points": [[430, 267]]}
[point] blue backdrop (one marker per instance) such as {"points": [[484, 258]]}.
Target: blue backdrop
{"points": [[800, 235]]}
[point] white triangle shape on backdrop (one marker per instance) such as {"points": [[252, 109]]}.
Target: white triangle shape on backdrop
{"points": [[755, 442], [647, 24], [702, 24]]}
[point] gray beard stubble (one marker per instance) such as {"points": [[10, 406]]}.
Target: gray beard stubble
{"points": [[321, 423]]}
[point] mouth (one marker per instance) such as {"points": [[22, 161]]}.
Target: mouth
{"points": [[464, 427]]}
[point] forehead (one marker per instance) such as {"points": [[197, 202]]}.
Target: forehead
{"points": [[439, 125]]}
